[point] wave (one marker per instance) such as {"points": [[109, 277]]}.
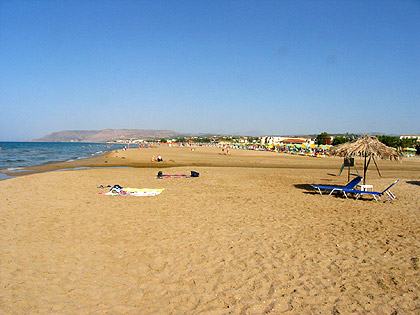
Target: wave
{"points": [[14, 168]]}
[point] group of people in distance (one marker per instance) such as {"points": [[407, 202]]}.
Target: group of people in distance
{"points": [[225, 148], [157, 159]]}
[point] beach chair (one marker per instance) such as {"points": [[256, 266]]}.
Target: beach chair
{"points": [[376, 195], [353, 183]]}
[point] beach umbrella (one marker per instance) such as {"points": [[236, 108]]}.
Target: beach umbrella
{"points": [[368, 147]]}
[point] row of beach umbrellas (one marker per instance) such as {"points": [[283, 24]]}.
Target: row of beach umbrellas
{"points": [[409, 149], [300, 146]]}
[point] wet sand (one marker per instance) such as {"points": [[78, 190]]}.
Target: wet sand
{"points": [[248, 236]]}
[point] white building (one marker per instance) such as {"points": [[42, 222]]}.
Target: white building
{"points": [[411, 137], [282, 140]]}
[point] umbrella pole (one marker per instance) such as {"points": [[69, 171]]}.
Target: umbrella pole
{"points": [[368, 163], [377, 167], [364, 171], [367, 166], [348, 174]]}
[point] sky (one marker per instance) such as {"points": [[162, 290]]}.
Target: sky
{"points": [[222, 67]]}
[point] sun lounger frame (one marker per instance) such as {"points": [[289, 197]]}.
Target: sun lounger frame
{"points": [[376, 195], [353, 183]]}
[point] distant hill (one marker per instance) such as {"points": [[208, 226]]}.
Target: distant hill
{"points": [[106, 135]]}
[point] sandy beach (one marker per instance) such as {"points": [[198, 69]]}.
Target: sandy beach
{"points": [[249, 236]]}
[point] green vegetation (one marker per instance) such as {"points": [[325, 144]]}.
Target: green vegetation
{"points": [[408, 143], [323, 138], [396, 142], [201, 140], [391, 141], [339, 140]]}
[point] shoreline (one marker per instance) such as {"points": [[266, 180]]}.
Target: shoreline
{"points": [[24, 156], [185, 157]]}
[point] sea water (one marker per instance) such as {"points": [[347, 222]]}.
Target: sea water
{"points": [[14, 156]]}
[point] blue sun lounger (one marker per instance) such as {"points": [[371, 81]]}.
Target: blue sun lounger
{"points": [[353, 183], [376, 195]]}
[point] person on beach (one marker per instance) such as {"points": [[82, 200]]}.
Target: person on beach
{"points": [[159, 158]]}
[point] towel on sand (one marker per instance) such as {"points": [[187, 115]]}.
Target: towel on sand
{"points": [[128, 191]]}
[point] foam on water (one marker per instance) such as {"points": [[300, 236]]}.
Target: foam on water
{"points": [[14, 169]]}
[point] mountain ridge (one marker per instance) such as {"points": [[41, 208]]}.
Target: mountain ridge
{"points": [[106, 135]]}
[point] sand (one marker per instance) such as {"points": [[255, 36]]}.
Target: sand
{"points": [[247, 237]]}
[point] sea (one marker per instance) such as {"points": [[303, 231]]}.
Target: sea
{"points": [[14, 156]]}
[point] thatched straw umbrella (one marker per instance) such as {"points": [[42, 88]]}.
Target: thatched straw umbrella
{"points": [[367, 147]]}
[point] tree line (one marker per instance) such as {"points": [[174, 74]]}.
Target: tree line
{"points": [[391, 141]]}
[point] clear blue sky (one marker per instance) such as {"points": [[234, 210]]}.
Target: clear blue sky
{"points": [[272, 67]]}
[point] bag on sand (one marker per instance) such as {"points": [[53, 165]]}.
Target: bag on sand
{"points": [[194, 174]]}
